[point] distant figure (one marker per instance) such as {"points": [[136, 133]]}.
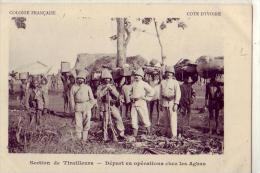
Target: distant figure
{"points": [[12, 78], [11, 85], [155, 83], [125, 92], [53, 82], [24, 86], [95, 82], [45, 89], [35, 101], [68, 81], [214, 100]]}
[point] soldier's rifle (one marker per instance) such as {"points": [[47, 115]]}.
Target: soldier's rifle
{"points": [[32, 112], [109, 118]]}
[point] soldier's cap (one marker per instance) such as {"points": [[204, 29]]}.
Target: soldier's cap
{"points": [[158, 65], [125, 72], [139, 72], [126, 65], [82, 74], [154, 63], [169, 69], [106, 74]]}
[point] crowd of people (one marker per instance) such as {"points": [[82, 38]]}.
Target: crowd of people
{"points": [[133, 97]]}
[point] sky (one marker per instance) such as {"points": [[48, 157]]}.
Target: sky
{"points": [[58, 38]]}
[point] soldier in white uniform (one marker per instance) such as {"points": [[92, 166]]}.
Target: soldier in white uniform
{"points": [[82, 101], [170, 95], [140, 92]]}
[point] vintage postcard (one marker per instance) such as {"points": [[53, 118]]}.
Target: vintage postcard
{"points": [[125, 87]]}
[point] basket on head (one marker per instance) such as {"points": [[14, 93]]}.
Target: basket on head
{"points": [[23, 75], [65, 66]]}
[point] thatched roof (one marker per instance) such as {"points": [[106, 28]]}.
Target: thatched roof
{"points": [[84, 60], [96, 62], [34, 68]]}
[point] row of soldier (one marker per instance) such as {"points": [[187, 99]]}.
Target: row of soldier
{"points": [[104, 98]]}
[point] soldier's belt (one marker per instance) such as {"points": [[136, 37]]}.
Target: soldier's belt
{"points": [[82, 101], [111, 103], [137, 99], [166, 96]]}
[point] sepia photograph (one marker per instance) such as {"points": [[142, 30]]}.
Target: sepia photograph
{"points": [[126, 87], [116, 85]]}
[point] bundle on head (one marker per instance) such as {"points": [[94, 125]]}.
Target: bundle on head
{"points": [[184, 69], [208, 67]]}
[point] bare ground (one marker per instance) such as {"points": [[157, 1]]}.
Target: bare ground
{"points": [[56, 134]]}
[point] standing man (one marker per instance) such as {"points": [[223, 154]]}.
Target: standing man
{"points": [[53, 82], [214, 101], [23, 88], [95, 81], [82, 100], [35, 101], [11, 85], [140, 92], [155, 83], [170, 95], [45, 89], [68, 81], [187, 97], [108, 95], [11, 81], [125, 92]]}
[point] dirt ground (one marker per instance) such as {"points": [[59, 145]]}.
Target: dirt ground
{"points": [[56, 133]]}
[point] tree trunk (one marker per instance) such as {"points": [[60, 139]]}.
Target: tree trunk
{"points": [[159, 40], [121, 55]]}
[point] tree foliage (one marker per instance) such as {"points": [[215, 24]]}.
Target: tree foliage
{"points": [[162, 25], [19, 22]]}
